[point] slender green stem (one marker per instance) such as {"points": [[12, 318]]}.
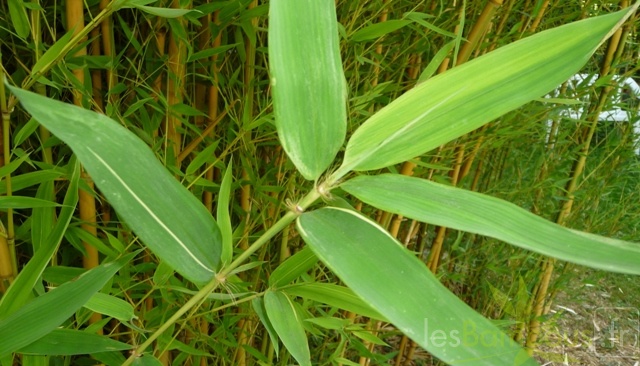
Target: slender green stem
{"points": [[5, 111], [287, 219], [200, 295]]}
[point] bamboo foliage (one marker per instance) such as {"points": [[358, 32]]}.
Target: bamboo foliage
{"points": [[208, 108]]}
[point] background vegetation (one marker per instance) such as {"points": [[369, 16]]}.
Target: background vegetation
{"points": [[194, 86]]}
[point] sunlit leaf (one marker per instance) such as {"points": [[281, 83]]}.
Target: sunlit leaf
{"points": [[460, 209], [468, 96]]}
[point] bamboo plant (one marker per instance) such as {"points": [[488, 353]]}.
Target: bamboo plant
{"points": [[384, 281]]}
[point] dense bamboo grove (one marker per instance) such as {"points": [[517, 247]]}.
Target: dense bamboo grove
{"points": [[193, 81]]}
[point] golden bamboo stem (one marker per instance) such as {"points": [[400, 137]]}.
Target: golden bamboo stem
{"points": [[175, 86], [479, 29]]}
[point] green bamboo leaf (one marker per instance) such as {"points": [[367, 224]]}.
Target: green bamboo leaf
{"points": [[333, 295], [147, 360], [164, 12], [307, 81], [436, 61], [13, 165], [24, 132], [330, 322], [292, 268], [113, 358], [258, 307], [66, 342], [43, 314], [24, 202], [111, 306], [203, 157], [53, 53], [468, 96], [30, 179], [166, 216], [399, 286], [378, 30], [19, 18], [288, 324], [42, 219], [21, 289], [464, 210], [223, 216]]}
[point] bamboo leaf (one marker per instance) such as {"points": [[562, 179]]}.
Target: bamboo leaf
{"points": [[42, 219], [52, 54], [333, 295], [164, 12], [65, 342], [287, 323], [399, 286], [308, 84], [378, 30], [19, 18], [111, 306], [292, 268], [24, 202], [258, 307], [147, 360], [168, 218], [468, 96], [460, 209], [223, 216], [43, 314]]}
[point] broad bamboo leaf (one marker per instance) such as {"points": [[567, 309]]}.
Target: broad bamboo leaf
{"points": [[72, 342], [292, 268], [43, 314], [287, 323], [168, 218], [468, 96], [477, 213], [307, 81], [399, 286]]}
